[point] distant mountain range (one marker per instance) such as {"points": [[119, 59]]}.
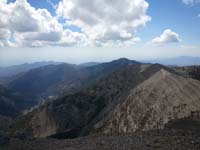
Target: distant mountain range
{"points": [[63, 79], [89, 64], [16, 69], [177, 61]]}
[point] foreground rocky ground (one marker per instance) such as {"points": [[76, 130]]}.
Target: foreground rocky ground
{"points": [[163, 140], [182, 134], [179, 134]]}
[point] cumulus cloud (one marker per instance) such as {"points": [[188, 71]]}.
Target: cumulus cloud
{"points": [[105, 21], [190, 2], [101, 23], [168, 36], [4, 38], [29, 26], [4, 34], [70, 38]]}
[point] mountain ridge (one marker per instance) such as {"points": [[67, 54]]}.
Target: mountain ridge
{"points": [[158, 98], [83, 107], [10, 71]]}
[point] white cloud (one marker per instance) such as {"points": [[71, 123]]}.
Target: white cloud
{"points": [[190, 2], [10, 44], [1, 44], [103, 21], [4, 34], [24, 18], [70, 38], [4, 37], [4, 11], [29, 26], [168, 36]]}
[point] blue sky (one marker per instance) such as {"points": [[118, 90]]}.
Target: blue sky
{"points": [[78, 31], [175, 15]]}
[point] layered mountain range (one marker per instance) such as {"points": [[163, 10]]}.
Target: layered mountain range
{"points": [[118, 97], [55, 80], [133, 97]]}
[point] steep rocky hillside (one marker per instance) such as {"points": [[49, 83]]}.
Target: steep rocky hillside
{"points": [[75, 114], [163, 97]]}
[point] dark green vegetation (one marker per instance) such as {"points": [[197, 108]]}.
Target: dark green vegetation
{"points": [[54, 80], [12, 103], [190, 71]]}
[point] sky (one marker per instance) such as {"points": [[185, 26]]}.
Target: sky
{"points": [[77, 31]]}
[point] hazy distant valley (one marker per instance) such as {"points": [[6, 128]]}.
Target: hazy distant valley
{"points": [[122, 100]]}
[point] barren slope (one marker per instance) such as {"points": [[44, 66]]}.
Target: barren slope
{"points": [[163, 97], [181, 134]]}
